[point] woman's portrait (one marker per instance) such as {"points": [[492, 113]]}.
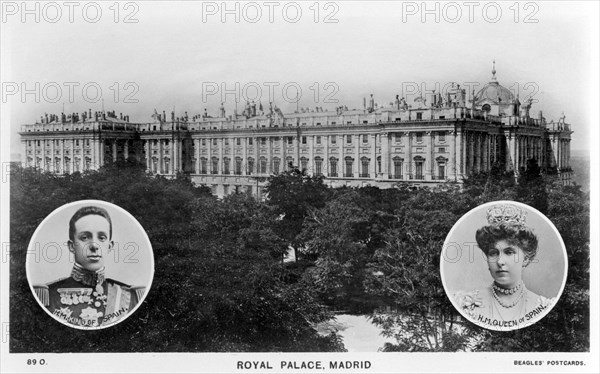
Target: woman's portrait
{"points": [[503, 265]]}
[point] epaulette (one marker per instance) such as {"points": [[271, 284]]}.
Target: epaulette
{"points": [[124, 285], [139, 291], [42, 293], [58, 280]]}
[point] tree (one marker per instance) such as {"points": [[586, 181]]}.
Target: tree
{"points": [[218, 278], [292, 194]]}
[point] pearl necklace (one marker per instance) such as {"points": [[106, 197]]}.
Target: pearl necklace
{"points": [[517, 300], [508, 291]]}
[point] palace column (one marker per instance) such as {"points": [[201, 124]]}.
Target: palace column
{"points": [[269, 155], [453, 161], [148, 155], [244, 155], [311, 154], [325, 167], [373, 165], [357, 164], [114, 150], [385, 155], [431, 173], [220, 144], [461, 148], [408, 152], [72, 156], [197, 155]]}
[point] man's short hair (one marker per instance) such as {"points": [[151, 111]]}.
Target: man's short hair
{"points": [[86, 211]]}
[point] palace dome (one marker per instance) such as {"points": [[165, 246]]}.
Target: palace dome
{"points": [[494, 91]]}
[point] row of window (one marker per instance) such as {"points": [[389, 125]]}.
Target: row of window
{"points": [[57, 142], [364, 172], [318, 139]]}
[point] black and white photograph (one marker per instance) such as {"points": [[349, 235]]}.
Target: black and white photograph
{"points": [[525, 259], [90, 264], [299, 186]]}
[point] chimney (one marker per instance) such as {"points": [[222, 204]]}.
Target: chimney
{"points": [[172, 116], [46, 114], [164, 117], [121, 116]]}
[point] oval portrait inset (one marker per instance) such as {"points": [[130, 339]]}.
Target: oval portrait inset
{"points": [[503, 265], [90, 264]]}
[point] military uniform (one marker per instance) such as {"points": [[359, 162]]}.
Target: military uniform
{"points": [[88, 299]]}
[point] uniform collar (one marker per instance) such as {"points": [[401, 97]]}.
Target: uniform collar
{"points": [[87, 277]]}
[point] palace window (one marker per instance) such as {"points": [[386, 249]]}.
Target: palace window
{"points": [[263, 141], [364, 167], [276, 165], [348, 139], [304, 140], [441, 171], [419, 115], [442, 150], [418, 169], [318, 139], [238, 166], [442, 136], [379, 164], [203, 142], [238, 141], [348, 171], [397, 168], [290, 140], [303, 163], [333, 139], [333, 167], [318, 166], [215, 165], [250, 166], [263, 165], [365, 138], [419, 136], [203, 165], [397, 137], [250, 141], [226, 165], [215, 141]]}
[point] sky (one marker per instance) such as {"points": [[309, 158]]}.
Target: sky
{"points": [[135, 57]]}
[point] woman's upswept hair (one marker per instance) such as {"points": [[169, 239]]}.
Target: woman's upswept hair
{"points": [[518, 235]]}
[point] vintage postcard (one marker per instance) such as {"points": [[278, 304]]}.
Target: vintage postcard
{"points": [[299, 186]]}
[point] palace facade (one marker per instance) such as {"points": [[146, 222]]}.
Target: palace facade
{"points": [[433, 140]]}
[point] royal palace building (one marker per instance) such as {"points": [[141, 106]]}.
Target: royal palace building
{"points": [[436, 139]]}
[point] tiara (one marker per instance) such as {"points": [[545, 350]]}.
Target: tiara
{"points": [[506, 213]]}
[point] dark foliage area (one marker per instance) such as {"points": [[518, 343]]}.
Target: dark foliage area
{"points": [[218, 283], [221, 283]]}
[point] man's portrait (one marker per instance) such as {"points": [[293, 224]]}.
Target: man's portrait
{"points": [[503, 265], [90, 264]]}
